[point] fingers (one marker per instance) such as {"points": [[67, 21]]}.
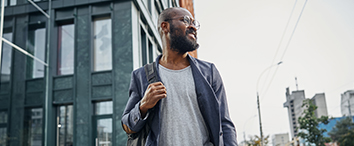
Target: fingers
{"points": [[156, 85], [154, 93]]}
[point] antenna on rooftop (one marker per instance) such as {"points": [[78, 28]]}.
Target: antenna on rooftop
{"points": [[297, 87]]}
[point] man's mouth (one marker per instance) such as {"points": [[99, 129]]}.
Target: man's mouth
{"points": [[192, 33], [192, 36]]}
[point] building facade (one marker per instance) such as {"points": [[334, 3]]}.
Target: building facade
{"points": [[90, 48], [347, 103], [280, 139], [320, 101], [294, 103]]}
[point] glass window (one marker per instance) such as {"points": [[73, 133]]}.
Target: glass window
{"points": [[104, 132], [13, 2], [5, 3], [102, 51], [33, 127], [36, 46], [3, 117], [147, 48], [103, 108], [151, 55], [103, 123], [65, 125], [154, 14], [143, 46], [66, 49], [6, 58], [3, 136]]}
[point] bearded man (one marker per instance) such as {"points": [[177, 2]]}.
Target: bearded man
{"points": [[188, 105]]}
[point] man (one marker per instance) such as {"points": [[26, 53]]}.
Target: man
{"points": [[189, 103]]}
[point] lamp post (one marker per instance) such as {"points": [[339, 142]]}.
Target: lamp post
{"points": [[258, 105]]}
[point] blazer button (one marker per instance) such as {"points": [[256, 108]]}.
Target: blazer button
{"points": [[136, 119], [220, 133]]}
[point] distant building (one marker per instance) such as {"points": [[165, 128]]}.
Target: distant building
{"points": [[294, 103], [280, 139], [347, 103], [320, 101]]}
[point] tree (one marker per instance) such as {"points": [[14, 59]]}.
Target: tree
{"points": [[309, 122], [343, 132], [256, 141]]}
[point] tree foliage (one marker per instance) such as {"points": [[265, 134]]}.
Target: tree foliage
{"points": [[343, 132], [309, 122], [256, 141]]}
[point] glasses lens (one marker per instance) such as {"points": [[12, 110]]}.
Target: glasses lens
{"points": [[187, 20], [196, 24]]}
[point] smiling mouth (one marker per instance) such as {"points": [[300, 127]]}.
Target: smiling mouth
{"points": [[192, 35]]}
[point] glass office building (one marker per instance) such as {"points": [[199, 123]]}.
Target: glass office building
{"points": [[90, 47]]}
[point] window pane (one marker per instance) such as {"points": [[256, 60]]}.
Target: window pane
{"points": [[3, 117], [5, 3], [33, 127], [6, 58], [151, 54], [143, 46], [66, 49], [3, 136], [36, 46], [104, 132], [102, 51], [65, 125], [12, 2], [103, 108]]}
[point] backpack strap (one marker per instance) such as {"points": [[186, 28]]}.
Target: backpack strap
{"points": [[150, 71]]}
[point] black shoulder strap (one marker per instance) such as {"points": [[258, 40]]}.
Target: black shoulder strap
{"points": [[150, 71]]}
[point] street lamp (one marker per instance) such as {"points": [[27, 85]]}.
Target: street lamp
{"points": [[259, 109]]}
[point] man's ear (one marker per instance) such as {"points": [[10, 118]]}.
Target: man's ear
{"points": [[165, 27]]}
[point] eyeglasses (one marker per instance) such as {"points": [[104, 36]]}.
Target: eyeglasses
{"points": [[188, 21]]}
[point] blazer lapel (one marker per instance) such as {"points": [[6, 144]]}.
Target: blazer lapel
{"points": [[208, 104]]}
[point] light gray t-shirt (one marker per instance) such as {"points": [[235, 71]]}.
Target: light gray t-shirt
{"points": [[182, 123]]}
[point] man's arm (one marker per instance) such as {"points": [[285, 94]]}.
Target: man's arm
{"points": [[134, 116], [228, 128]]}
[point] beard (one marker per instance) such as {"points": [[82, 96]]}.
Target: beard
{"points": [[181, 43]]}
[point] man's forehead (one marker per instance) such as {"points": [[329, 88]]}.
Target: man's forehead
{"points": [[180, 12]]}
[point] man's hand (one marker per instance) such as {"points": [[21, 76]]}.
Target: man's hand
{"points": [[153, 94]]}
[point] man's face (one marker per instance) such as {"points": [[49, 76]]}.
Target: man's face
{"points": [[183, 38]]}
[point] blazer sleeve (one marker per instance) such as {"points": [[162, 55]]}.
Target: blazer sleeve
{"points": [[131, 117], [228, 128]]}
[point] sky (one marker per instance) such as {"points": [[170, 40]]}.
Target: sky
{"points": [[244, 38]]}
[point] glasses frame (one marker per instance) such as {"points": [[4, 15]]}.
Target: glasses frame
{"points": [[188, 21]]}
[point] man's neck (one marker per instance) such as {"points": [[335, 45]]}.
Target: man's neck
{"points": [[174, 60]]}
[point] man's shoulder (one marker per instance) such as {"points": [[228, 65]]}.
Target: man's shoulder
{"points": [[202, 64], [139, 73]]}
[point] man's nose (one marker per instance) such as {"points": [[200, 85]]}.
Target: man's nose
{"points": [[192, 26]]}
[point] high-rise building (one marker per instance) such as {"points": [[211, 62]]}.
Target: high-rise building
{"points": [[294, 103], [280, 139], [320, 101], [90, 48], [347, 103]]}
